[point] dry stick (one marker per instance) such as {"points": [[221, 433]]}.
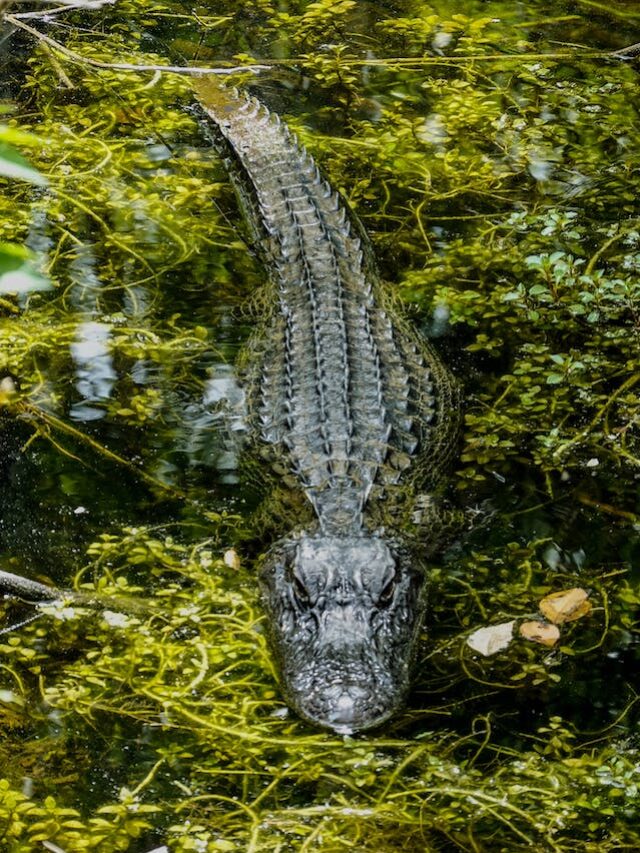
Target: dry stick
{"points": [[59, 70], [38, 593], [402, 61], [628, 52], [72, 6], [11, 584], [125, 66]]}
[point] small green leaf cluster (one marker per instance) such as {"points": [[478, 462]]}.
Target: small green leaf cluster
{"points": [[500, 189], [28, 824], [185, 674]]}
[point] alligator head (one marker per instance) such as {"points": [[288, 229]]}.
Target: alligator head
{"points": [[344, 617]]}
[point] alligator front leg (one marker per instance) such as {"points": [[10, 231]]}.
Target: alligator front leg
{"points": [[436, 525]]}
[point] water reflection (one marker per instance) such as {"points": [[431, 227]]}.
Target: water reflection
{"points": [[217, 424], [86, 286], [95, 374]]}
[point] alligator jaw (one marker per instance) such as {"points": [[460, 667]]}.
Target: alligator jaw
{"points": [[345, 614]]}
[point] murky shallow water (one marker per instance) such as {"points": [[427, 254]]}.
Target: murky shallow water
{"points": [[448, 160]]}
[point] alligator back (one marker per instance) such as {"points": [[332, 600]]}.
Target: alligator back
{"points": [[345, 389]]}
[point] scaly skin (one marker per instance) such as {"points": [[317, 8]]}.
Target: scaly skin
{"points": [[353, 401]]}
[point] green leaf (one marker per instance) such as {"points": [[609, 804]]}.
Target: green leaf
{"points": [[15, 136], [538, 290], [17, 273], [13, 165]]}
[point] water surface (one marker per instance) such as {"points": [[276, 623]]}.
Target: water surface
{"points": [[490, 150]]}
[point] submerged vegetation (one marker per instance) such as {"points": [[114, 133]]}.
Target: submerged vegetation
{"points": [[492, 154]]}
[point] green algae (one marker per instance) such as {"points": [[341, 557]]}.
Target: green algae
{"points": [[496, 171], [227, 765]]}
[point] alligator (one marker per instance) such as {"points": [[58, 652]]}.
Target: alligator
{"points": [[359, 407]]}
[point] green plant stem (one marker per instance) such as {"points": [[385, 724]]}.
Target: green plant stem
{"points": [[609, 10], [631, 381], [29, 412]]}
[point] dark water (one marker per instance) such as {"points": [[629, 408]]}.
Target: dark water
{"points": [[576, 525], [189, 449]]}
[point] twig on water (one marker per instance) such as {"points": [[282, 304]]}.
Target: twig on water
{"points": [[34, 592], [125, 66]]}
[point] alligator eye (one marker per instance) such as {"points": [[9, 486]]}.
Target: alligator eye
{"points": [[300, 591]]}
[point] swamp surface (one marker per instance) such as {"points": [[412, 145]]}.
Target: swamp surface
{"points": [[492, 151]]}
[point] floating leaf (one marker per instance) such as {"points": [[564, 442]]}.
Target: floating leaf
{"points": [[566, 605], [231, 559], [491, 639], [540, 632]]}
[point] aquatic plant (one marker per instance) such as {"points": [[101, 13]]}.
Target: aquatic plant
{"points": [[497, 174]]}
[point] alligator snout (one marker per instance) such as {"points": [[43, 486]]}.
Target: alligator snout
{"points": [[345, 710]]}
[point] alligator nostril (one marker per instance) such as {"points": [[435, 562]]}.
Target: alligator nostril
{"points": [[346, 703], [344, 709]]}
